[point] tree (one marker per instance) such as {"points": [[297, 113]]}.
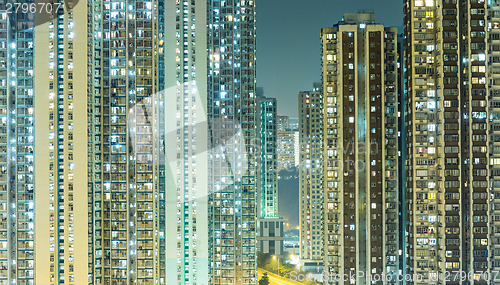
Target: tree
{"points": [[264, 280]]}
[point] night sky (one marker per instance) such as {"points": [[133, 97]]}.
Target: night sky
{"points": [[288, 46]]}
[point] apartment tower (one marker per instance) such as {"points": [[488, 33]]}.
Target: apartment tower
{"points": [[311, 178], [451, 127], [288, 142], [270, 238], [186, 143], [232, 134], [17, 200], [140, 166], [125, 111], [359, 78]]}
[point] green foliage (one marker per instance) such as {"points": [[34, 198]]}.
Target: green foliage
{"points": [[264, 280]]}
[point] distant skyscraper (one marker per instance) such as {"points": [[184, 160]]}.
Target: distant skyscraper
{"points": [[287, 145], [231, 110], [311, 178], [270, 238], [359, 76], [287, 150], [293, 124], [267, 161], [453, 157], [283, 123]]}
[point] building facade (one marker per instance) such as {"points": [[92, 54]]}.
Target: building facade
{"points": [[452, 165], [359, 85], [267, 161], [120, 102], [17, 259], [270, 225], [126, 187], [287, 150], [311, 178], [283, 123], [186, 143], [232, 135]]}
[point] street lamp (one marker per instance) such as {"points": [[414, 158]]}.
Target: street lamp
{"points": [[277, 258]]}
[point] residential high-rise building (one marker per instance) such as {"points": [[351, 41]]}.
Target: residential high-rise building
{"points": [[288, 151], [64, 151], [493, 89], [40, 113], [311, 178], [452, 159], [267, 161], [126, 141], [119, 103], [232, 169], [186, 143], [283, 123], [270, 237], [359, 86], [17, 118], [403, 209]]}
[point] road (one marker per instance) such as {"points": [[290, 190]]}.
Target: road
{"points": [[275, 279]]}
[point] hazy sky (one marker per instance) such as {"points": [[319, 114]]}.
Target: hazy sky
{"points": [[288, 46]]}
